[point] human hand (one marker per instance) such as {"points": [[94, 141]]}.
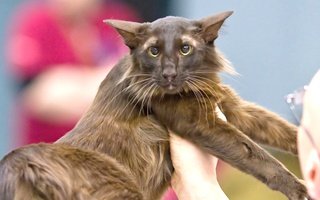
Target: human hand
{"points": [[309, 153], [194, 177], [62, 93]]}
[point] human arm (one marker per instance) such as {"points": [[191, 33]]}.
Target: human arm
{"points": [[195, 175], [62, 93], [195, 172]]}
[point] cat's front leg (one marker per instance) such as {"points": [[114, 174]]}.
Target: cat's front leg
{"points": [[235, 148], [260, 124], [185, 117]]}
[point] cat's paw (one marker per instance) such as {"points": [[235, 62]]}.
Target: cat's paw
{"points": [[296, 190], [300, 193]]}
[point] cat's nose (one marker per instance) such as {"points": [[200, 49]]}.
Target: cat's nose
{"points": [[169, 74]]}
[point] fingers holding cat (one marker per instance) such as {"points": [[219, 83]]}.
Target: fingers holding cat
{"points": [[195, 171]]}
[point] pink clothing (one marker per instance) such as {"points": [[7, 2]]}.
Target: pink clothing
{"points": [[39, 41]]}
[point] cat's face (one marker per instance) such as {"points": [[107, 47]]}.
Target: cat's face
{"points": [[172, 52]]}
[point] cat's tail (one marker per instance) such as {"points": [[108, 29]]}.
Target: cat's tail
{"points": [[58, 171], [23, 175]]}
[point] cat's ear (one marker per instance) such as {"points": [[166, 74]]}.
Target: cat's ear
{"points": [[128, 31], [211, 25]]}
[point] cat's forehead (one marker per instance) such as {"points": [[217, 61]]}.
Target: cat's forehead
{"points": [[170, 29], [171, 24], [171, 20], [157, 40]]}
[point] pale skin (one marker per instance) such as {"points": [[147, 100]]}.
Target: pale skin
{"points": [[309, 159], [195, 175], [50, 95]]}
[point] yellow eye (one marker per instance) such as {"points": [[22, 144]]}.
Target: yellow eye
{"points": [[185, 49], [153, 51]]}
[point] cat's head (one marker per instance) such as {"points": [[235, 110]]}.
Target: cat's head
{"points": [[173, 53]]}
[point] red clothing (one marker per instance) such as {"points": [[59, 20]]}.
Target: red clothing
{"points": [[39, 42]]}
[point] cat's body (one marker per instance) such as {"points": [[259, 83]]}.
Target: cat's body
{"points": [[169, 81], [137, 141]]}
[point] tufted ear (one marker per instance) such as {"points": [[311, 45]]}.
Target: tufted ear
{"points": [[128, 30], [211, 25]]}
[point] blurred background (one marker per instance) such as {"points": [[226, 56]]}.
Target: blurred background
{"points": [[273, 45]]}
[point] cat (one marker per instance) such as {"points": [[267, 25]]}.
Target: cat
{"points": [[169, 81]]}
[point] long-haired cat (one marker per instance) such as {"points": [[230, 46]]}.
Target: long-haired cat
{"points": [[120, 147]]}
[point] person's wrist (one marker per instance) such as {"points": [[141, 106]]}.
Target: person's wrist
{"points": [[197, 188]]}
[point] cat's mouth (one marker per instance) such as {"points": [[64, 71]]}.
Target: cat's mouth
{"points": [[171, 88]]}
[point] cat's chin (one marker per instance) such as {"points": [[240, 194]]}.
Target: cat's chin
{"points": [[171, 89]]}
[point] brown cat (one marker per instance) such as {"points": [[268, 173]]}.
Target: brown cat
{"points": [[121, 145]]}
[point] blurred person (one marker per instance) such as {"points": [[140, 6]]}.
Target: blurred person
{"points": [[59, 52], [309, 133]]}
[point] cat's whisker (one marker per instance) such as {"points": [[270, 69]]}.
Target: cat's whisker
{"points": [[132, 100], [205, 93], [203, 77], [152, 92], [202, 96], [136, 98], [196, 85], [106, 107], [148, 102], [203, 81], [137, 75], [204, 72], [200, 76], [137, 83], [154, 86], [143, 97], [208, 80], [199, 105], [147, 96], [195, 92], [207, 84]]}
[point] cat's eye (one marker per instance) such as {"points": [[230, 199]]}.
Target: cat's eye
{"points": [[153, 51], [185, 49]]}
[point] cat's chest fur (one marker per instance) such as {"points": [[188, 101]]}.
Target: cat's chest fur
{"points": [[143, 147], [122, 130]]}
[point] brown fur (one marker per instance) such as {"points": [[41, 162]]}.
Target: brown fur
{"points": [[121, 145], [45, 171]]}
